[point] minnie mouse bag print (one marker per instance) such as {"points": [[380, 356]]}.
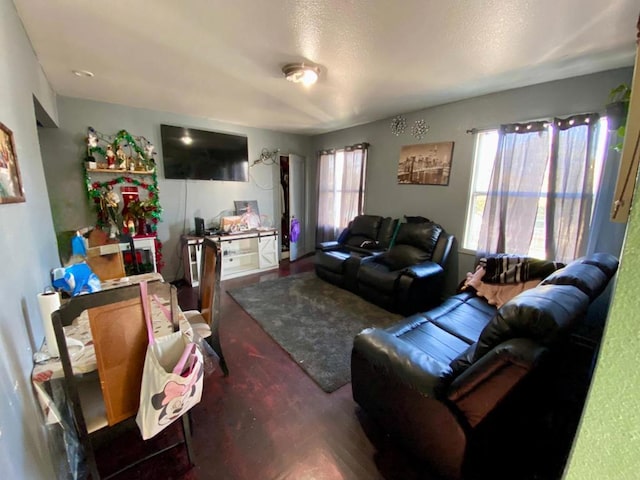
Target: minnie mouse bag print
{"points": [[171, 379]]}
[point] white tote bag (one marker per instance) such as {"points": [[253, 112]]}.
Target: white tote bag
{"points": [[171, 379]]}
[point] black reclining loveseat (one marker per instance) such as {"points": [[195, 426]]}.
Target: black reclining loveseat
{"points": [[400, 269], [338, 261], [432, 379]]}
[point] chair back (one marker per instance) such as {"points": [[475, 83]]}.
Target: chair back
{"points": [[210, 282], [120, 341], [119, 336], [210, 295]]}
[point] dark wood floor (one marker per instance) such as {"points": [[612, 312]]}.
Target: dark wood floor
{"points": [[269, 421]]}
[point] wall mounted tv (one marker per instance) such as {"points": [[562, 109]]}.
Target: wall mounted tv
{"points": [[193, 154]]}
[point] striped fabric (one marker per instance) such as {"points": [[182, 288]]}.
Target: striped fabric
{"points": [[507, 268]]}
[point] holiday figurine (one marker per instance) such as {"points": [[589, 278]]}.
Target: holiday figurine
{"points": [[92, 139], [111, 157], [140, 163], [122, 158], [149, 149]]}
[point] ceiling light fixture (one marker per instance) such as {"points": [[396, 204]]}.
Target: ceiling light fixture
{"points": [[187, 140], [82, 73], [301, 73]]}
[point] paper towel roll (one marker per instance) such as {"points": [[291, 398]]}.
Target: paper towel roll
{"points": [[49, 302]]}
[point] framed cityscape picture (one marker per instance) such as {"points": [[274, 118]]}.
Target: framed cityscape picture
{"points": [[10, 181], [425, 164]]}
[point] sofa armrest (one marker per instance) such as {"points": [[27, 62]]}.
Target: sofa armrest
{"points": [[478, 390], [403, 361], [423, 270], [368, 247], [375, 257], [328, 246]]}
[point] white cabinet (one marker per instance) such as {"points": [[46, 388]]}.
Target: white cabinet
{"points": [[191, 252], [242, 254], [144, 244], [268, 251], [239, 256]]}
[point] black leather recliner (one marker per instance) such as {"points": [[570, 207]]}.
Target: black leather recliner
{"points": [[338, 261], [409, 277], [436, 378]]}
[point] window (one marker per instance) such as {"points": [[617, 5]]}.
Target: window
{"points": [[484, 155], [341, 177], [486, 149]]}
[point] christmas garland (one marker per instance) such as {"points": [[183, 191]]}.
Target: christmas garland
{"points": [[95, 190]]}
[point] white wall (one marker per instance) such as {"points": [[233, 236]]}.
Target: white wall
{"points": [[64, 149], [447, 205], [27, 253]]}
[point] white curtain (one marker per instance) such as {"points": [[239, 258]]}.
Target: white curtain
{"points": [[542, 181], [570, 193], [341, 176], [605, 235], [511, 208]]}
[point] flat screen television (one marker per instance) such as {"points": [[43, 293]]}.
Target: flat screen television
{"points": [[193, 154]]}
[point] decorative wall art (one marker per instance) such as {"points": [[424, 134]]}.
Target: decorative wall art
{"points": [[425, 164], [248, 212], [419, 129], [398, 125], [10, 181]]}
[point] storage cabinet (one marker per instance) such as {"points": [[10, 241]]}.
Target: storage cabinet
{"points": [[242, 254], [239, 256], [146, 246], [268, 252], [191, 253]]}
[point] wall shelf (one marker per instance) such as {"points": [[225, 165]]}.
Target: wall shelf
{"points": [[139, 213], [120, 170]]}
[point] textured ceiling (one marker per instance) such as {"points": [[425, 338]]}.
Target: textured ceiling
{"points": [[222, 59]]}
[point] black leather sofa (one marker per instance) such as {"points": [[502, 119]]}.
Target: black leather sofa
{"points": [[406, 277], [338, 261], [409, 277], [366, 234], [436, 377]]}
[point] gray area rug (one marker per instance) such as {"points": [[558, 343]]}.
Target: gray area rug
{"points": [[314, 321]]}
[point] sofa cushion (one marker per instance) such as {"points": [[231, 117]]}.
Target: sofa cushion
{"points": [[541, 314], [604, 261], [402, 256], [332, 260], [588, 278], [463, 315], [378, 275], [387, 228], [419, 332], [420, 235], [414, 244], [366, 226], [416, 219]]}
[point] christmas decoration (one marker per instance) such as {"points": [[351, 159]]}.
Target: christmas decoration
{"points": [[139, 162]]}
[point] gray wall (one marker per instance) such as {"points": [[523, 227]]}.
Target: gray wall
{"points": [[447, 205], [27, 253], [64, 149]]}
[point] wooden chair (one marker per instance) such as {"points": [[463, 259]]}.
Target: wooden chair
{"points": [[209, 301], [120, 340]]}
